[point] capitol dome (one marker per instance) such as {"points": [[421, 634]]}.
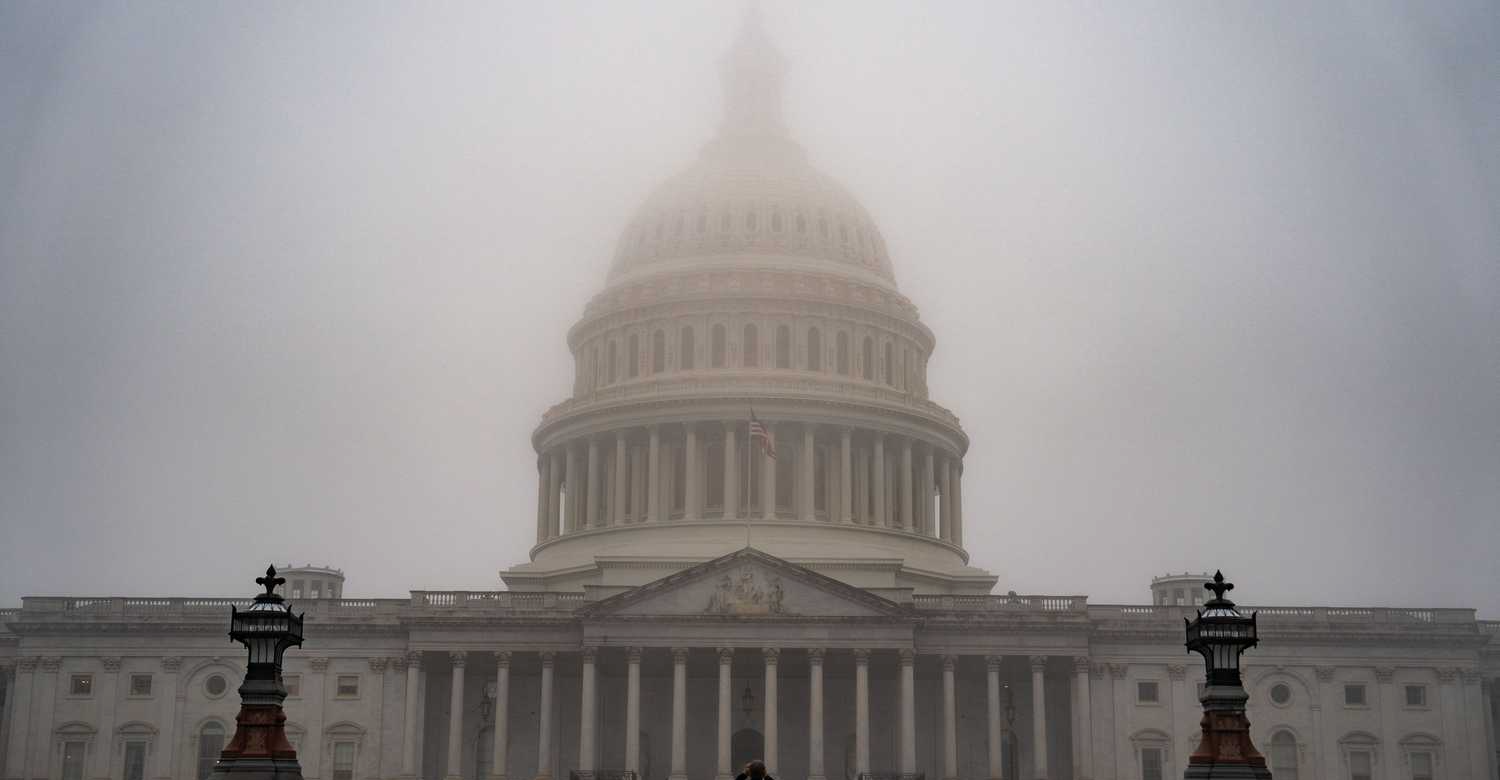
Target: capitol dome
{"points": [[750, 292]]}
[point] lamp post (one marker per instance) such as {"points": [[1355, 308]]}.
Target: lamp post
{"points": [[259, 750], [1221, 634]]}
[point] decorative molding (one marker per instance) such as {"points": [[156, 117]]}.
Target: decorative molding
{"points": [[458, 658], [906, 656], [861, 656], [319, 664], [633, 655], [679, 655], [1471, 675], [379, 664], [1177, 671], [992, 662], [1324, 673], [1117, 671], [1038, 663], [549, 658], [588, 653], [815, 656], [1384, 674], [111, 663], [1081, 664], [414, 658], [502, 659], [399, 663], [726, 655], [27, 665], [50, 664], [1447, 674], [949, 662], [772, 655]]}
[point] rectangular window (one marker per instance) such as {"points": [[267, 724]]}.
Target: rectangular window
{"points": [[1151, 764], [72, 763], [1147, 692], [81, 685], [1354, 696], [1421, 766], [293, 683], [1361, 765], [140, 685], [343, 761], [348, 685], [1416, 696], [135, 761]]}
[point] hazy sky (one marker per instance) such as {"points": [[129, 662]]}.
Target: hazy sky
{"points": [[1213, 284]]}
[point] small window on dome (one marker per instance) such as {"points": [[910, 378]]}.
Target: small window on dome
{"points": [[751, 347], [716, 347], [750, 221], [702, 223], [775, 222], [724, 223], [843, 233], [801, 224]]}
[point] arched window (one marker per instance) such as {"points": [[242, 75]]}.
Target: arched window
{"points": [[869, 360], [1284, 755], [614, 359], [842, 358], [814, 350], [724, 223], [890, 364], [597, 375], [716, 347], [775, 222], [751, 346], [750, 221], [685, 352], [633, 368], [703, 223], [801, 224], [210, 745], [783, 347], [658, 352]]}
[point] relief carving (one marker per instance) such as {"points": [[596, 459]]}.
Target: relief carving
{"points": [[742, 595]]}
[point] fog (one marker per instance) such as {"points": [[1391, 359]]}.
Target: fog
{"points": [[1214, 285]]}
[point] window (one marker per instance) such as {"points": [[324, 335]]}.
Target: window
{"points": [[1283, 756], [297, 587], [343, 761], [293, 683], [677, 231], [775, 222], [210, 745], [1361, 765], [658, 352], [869, 360], [135, 760], [1151, 764], [315, 592], [1281, 694], [842, 357], [81, 685], [1354, 695], [716, 347], [633, 368], [1421, 765], [751, 347], [724, 223], [1147, 692], [750, 222], [614, 359], [484, 753], [702, 223], [801, 224], [1416, 696], [348, 685], [814, 350], [685, 352], [890, 364], [72, 760], [783, 347], [140, 685], [215, 685]]}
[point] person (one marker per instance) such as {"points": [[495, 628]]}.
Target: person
{"points": [[755, 770]]}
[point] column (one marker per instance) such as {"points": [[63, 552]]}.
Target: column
{"points": [[554, 495], [950, 720], [862, 486], [637, 485], [544, 719], [992, 722], [1384, 677], [846, 478], [726, 696], [622, 477], [808, 462], [731, 473], [20, 724], [906, 494], [1325, 752], [315, 698], [958, 503], [595, 480], [690, 468], [456, 718], [1039, 714], [44, 692], [1475, 709], [633, 711], [572, 516], [926, 520], [413, 661], [108, 684], [542, 464], [679, 714], [815, 714], [908, 659], [1084, 735], [1448, 709], [861, 712], [166, 754], [773, 713], [500, 763], [1486, 697], [945, 506], [877, 477], [768, 479], [653, 478], [586, 719]]}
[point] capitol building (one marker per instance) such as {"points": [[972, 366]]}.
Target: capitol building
{"points": [[749, 530]]}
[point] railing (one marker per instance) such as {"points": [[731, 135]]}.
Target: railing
{"points": [[495, 599], [1294, 615], [1006, 603], [1489, 627]]}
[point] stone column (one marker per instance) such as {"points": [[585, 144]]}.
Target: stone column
{"points": [[554, 495], [808, 462], [500, 762], [690, 468], [906, 494], [862, 486], [653, 478], [726, 697], [633, 711], [1486, 699], [1039, 715], [1084, 736], [456, 718], [20, 724], [815, 714], [679, 714], [101, 755], [773, 714], [622, 480], [877, 477], [846, 478], [543, 464], [1325, 747], [637, 485], [410, 725], [950, 720], [908, 659], [929, 527], [595, 480], [945, 507], [731, 473], [1448, 709], [768, 479], [166, 754], [992, 721], [861, 712], [572, 516], [958, 503], [1384, 676], [544, 719], [586, 719]]}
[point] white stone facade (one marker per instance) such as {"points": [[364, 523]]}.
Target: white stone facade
{"points": [[692, 602]]}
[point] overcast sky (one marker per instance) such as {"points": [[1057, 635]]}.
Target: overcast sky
{"points": [[1214, 285]]}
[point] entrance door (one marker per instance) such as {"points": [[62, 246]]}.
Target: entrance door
{"points": [[747, 745]]}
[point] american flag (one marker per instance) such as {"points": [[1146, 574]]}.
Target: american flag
{"points": [[761, 436]]}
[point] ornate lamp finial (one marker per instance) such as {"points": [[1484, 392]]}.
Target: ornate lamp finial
{"points": [[270, 582], [1219, 587]]}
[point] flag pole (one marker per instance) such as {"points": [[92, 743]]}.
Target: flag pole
{"points": [[747, 495]]}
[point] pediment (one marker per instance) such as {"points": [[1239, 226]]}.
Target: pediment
{"points": [[747, 584]]}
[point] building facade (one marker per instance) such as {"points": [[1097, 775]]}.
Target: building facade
{"points": [[749, 544]]}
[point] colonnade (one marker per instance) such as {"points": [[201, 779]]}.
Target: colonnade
{"points": [[700, 471], [588, 744]]}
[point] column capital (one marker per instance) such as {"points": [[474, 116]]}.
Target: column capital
{"points": [[502, 659], [726, 655], [589, 653], [1038, 663], [679, 655], [1472, 675], [549, 658], [51, 664], [633, 655], [992, 662], [1445, 674], [1385, 674], [28, 665], [771, 655], [111, 663], [1325, 673], [414, 657], [1177, 671], [906, 656], [399, 663], [379, 663], [319, 664], [815, 656], [861, 656], [1081, 664], [1117, 671], [949, 662], [458, 658]]}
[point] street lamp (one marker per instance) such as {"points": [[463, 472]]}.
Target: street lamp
{"points": [[259, 749], [1221, 635], [747, 703]]}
